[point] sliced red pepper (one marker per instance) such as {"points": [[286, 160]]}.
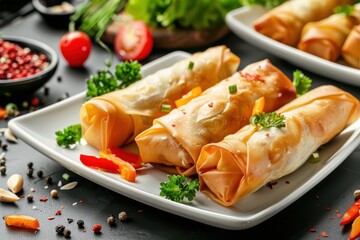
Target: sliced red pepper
{"points": [[99, 163], [127, 170], [351, 213], [355, 229], [132, 158]]}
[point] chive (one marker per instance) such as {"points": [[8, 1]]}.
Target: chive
{"points": [[314, 158], [232, 89], [165, 107], [191, 65]]}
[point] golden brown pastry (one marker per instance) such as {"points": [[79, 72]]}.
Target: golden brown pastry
{"points": [[325, 38], [351, 48], [285, 22], [174, 142], [116, 118], [245, 161]]}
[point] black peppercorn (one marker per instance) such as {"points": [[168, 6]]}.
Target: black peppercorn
{"points": [[2, 162], [2, 170], [29, 172], [111, 220], [67, 233], [80, 223], [30, 198], [60, 229], [40, 174], [49, 179], [30, 165]]}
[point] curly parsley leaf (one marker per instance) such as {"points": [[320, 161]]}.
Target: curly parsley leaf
{"points": [[345, 9], [69, 136], [268, 120], [301, 82], [126, 73], [177, 188]]}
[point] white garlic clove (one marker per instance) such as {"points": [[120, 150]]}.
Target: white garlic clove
{"points": [[7, 196], [15, 183], [9, 135]]}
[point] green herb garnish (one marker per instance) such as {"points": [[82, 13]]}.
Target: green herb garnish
{"points": [[266, 3], [69, 136], [105, 81], [176, 189], [165, 107], [191, 65], [268, 120], [345, 9], [301, 82], [314, 158], [232, 89]]}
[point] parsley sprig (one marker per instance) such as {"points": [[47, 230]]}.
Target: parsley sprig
{"points": [[345, 9], [69, 137], [301, 82], [268, 120], [126, 73], [177, 188]]}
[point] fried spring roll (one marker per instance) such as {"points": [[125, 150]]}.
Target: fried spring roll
{"points": [[114, 119], [245, 161], [351, 48], [325, 38], [174, 142], [285, 22]]}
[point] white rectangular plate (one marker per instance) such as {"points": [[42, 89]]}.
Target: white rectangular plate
{"points": [[240, 21], [38, 130]]}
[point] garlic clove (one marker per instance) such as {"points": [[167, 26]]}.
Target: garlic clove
{"points": [[10, 136], [15, 183], [7, 196]]}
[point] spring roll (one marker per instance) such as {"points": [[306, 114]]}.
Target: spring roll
{"points": [[325, 38], [114, 119], [351, 48], [285, 22], [245, 161], [174, 142]]}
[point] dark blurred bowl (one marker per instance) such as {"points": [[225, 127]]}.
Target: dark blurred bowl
{"points": [[59, 18], [27, 85]]}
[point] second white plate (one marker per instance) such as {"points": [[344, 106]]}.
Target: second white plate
{"points": [[240, 22]]}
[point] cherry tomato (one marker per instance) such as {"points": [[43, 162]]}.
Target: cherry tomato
{"points": [[133, 41], [75, 47]]}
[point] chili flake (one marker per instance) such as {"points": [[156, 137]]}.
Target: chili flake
{"points": [[43, 199], [312, 230], [211, 104], [324, 234], [51, 218], [58, 212]]}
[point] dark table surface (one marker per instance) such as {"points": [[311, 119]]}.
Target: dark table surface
{"points": [[92, 203]]}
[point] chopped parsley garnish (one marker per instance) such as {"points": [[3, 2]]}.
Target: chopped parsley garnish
{"points": [[165, 107], [69, 136], [345, 9], [126, 73], [232, 89], [314, 158], [191, 65], [177, 188], [301, 82], [268, 120]]}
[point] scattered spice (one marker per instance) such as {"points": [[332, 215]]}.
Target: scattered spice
{"points": [[96, 228], [2, 162], [123, 216], [324, 234], [30, 198], [312, 230], [60, 229], [51, 218], [30, 164], [58, 212], [30, 172], [357, 194], [69, 186], [49, 179], [67, 233], [111, 220], [80, 223], [54, 193], [40, 174], [66, 177], [43, 199], [3, 170], [70, 220]]}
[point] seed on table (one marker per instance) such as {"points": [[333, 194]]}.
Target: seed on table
{"points": [[54, 193], [111, 220], [30, 172], [40, 174], [30, 198], [49, 179], [30, 165], [67, 233], [60, 229], [2, 170], [80, 223], [96, 228], [123, 216], [2, 162]]}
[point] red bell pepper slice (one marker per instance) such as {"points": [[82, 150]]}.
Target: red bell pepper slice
{"points": [[127, 170], [355, 229], [132, 158], [99, 163], [351, 213]]}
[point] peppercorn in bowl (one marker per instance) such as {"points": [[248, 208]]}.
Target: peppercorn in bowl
{"points": [[25, 65]]}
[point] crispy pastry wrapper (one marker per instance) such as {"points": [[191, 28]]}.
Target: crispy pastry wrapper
{"points": [[114, 119], [174, 142], [351, 48], [285, 22], [325, 38], [245, 161]]}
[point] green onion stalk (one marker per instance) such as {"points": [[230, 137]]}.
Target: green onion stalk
{"points": [[93, 17]]}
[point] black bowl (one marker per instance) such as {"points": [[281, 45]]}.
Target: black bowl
{"points": [[54, 18], [27, 85]]}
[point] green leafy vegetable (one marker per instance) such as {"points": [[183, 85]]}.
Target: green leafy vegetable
{"points": [[105, 81], [301, 82], [268, 120], [314, 158], [194, 14], [345, 9], [69, 136], [176, 189]]}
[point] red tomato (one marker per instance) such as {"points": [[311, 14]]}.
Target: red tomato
{"points": [[133, 41], [75, 47]]}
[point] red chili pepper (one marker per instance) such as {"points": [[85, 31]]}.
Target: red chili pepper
{"points": [[99, 163], [132, 158], [127, 170], [351, 213], [3, 113], [355, 229]]}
